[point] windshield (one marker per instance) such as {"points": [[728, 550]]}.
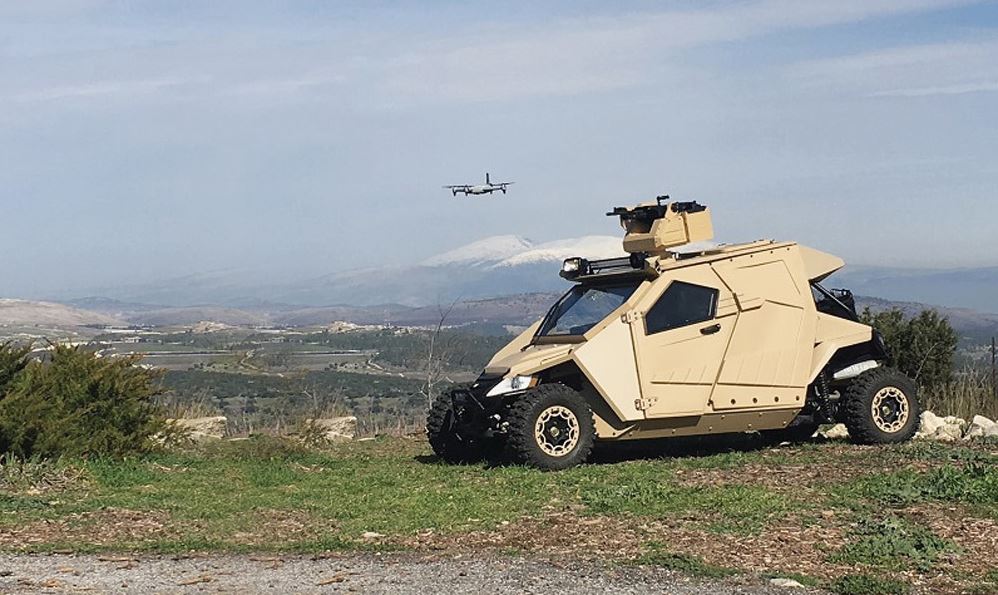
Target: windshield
{"points": [[583, 307]]}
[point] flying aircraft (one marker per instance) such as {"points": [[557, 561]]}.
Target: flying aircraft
{"points": [[487, 188]]}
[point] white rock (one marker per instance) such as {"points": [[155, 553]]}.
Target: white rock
{"points": [[200, 429], [334, 429], [979, 427], [948, 433], [371, 535], [786, 583], [954, 420], [838, 431], [929, 423]]}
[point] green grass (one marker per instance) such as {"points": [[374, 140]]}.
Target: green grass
{"points": [[894, 544], [974, 483], [214, 498], [865, 584], [272, 495], [736, 508]]}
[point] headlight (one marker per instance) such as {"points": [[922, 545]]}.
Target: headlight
{"points": [[573, 267], [511, 385]]}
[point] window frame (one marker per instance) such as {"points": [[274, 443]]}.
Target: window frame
{"points": [[712, 315], [540, 337]]}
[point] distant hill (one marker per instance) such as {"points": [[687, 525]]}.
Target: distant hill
{"points": [[497, 265], [517, 309], [494, 312], [972, 325], [975, 288], [493, 266], [497, 280], [28, 313]]}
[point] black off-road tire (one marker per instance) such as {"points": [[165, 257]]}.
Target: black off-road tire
{"points": [[444, 433], [858, 401], [524, 446]]}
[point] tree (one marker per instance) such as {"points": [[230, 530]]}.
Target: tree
{"points": [[79, 404], [436, 357], [921, 346]]}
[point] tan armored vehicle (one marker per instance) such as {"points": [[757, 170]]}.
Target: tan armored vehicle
{"points": [[740, 338]]}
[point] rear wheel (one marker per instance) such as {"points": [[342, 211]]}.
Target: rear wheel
{"points": [[881, 406], [551, 427], [452, 434]]}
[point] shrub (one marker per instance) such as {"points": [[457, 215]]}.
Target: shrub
{"points": [[78, 404], [921, 346], [12, 361]]}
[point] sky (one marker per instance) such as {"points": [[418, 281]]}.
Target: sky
{"points": [[149, 140]]}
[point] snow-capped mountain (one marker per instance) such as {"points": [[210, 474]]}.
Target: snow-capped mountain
{"points": [[511, 251], [589, 247], [493, 266], [486, 251]]}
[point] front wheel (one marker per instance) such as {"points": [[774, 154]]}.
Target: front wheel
{"points": [[551, 427], [452, 433], [881, 406]]}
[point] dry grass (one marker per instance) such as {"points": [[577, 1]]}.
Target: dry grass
{"points": [[200, 406], [969, 394], [36, 476]]}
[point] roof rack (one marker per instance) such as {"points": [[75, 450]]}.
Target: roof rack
{"points": [[579, 269]]}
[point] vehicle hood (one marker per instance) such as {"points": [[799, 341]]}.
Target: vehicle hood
{"points": [[532, 359]]}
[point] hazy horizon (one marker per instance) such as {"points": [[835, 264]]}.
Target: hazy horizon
{"points": [[142, 142]]}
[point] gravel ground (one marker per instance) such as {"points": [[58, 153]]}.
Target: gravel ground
{"points": [[366, 573]]}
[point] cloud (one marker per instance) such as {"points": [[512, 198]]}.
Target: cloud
{"points": [[98, 89], [599, 54], [482, 62], [963, 89], [953, 68]]}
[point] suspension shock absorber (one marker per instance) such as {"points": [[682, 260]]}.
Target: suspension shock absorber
{"points": [[825, 407]]}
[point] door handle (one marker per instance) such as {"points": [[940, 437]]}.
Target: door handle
{"points": [[710, 330]]}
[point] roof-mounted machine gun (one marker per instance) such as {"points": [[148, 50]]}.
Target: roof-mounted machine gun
{"points": [[654, 228]]}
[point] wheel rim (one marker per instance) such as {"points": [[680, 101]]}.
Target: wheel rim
{"points": [[890, 409], [557, 431]]}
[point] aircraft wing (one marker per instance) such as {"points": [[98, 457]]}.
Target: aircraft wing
{"points": [[458, 187]]}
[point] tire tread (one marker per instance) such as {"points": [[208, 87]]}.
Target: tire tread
{"points": [[521, 443], [858, 398]]}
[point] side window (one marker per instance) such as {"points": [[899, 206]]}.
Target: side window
{"points": [[682, 304]]}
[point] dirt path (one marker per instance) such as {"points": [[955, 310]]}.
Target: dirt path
{"points": [[365, 573]]}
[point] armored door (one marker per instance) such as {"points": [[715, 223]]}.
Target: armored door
{"points": [[680, 334]]}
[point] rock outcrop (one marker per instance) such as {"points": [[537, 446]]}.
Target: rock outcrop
{"points": [[981, 427], [199, 429], [940, 429], [331, 429], [933, 427]]}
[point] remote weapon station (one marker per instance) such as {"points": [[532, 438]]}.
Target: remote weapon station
{"points": [[662, 343]]}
